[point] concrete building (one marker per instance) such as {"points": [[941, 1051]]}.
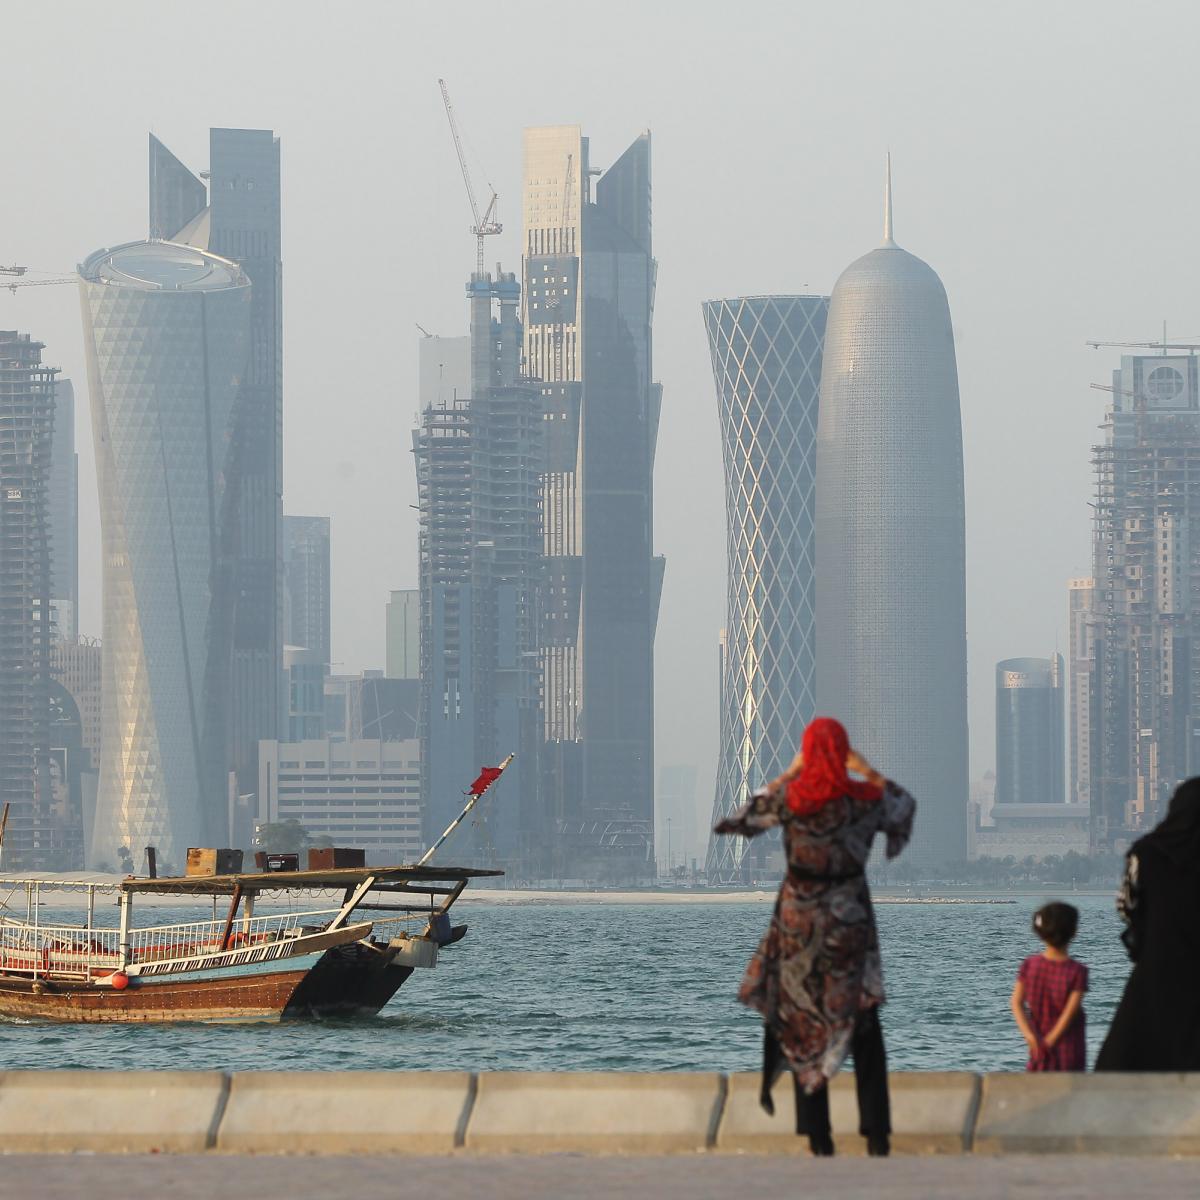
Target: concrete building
{"points": [[1037, 831], [480, 460], [1029, 731], [167, 336], [404, 634], [766, 358], [27, 411], [78, 665], [233, 210], [306, 603], [1145, 618], [589, 280], [365, 794], [63, 504], [1081, 593], [890, 589]]}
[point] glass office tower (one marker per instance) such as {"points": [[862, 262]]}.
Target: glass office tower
{"points": [[766, 357], [1030, 728], [167, 332], [588, 299]]}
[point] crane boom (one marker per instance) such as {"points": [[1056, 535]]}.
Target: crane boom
{"points": [[24, 283], [1164, 345], [488, 223]]}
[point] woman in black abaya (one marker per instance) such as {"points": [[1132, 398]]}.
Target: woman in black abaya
{"points": [[1157, 1024]]}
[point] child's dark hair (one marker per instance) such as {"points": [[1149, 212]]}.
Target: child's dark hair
{"points": [[1056, 923]]}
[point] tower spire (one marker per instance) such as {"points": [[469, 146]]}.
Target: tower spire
{"points": [[887, 204]]}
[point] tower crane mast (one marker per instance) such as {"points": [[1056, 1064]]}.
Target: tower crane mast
{"points": [[487, 224]]}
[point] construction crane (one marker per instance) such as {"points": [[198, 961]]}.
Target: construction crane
{"points": [[13, 270], [1164, 346], [24, 283], [487, 224]]}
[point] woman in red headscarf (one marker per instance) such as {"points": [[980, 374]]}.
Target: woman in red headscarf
{"points": [[816, 976]]}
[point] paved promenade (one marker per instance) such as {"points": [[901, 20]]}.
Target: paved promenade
{"points": [[573, 1177]]}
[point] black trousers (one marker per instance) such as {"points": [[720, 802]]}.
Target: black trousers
{"points": [[870, 1080]]}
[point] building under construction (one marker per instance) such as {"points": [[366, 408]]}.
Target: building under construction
{"points": [[1145, 613], [26, 626], [480, 461]]}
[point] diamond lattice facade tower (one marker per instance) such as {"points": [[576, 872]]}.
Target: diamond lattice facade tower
{"points": [[766, 356], [589, 277], [891, 609], [167, 337]]}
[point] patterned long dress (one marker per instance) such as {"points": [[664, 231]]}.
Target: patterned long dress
{"points": [[818, 966]]}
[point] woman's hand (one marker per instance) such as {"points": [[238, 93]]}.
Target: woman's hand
{"points": [[859, 765]]}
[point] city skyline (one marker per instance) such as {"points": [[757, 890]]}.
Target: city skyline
{"points": [[997, 282]]}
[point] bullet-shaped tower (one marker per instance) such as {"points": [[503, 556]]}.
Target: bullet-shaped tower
{"points": [[890, 555]]}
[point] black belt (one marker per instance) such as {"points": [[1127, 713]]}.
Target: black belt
{"points": [[813, 877]]}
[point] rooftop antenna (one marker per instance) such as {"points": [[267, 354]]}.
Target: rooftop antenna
{"points": [[887, 204]]}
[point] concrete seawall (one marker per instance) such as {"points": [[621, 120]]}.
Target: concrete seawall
{"points": [[424, 1113]]}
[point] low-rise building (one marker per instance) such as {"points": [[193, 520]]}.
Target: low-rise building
{"points": [[365, 793]]}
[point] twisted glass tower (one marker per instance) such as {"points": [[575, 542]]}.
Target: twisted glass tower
{"points": [[891, 580], [167, 337], [766, 356]]}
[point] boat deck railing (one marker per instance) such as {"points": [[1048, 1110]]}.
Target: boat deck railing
{"points": [[75, 952]]}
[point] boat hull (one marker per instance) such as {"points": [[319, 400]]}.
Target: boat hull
{"points": [[346, 980]]}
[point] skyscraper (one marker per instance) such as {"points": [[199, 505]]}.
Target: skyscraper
{"points": [[1145, 617], [237, 216], [766, 357], [892, 654], [63, 507], [1079, 666], [27, 390], [1029, 731], [306, 584], [480, 459], [589, 276], [403, 634], [167, 336]]}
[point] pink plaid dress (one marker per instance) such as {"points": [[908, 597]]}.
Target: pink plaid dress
{"points": [[1048, 985]]}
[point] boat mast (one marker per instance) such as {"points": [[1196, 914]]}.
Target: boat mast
{"points": [[487, 777]]}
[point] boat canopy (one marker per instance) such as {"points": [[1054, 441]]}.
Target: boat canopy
{"points": [[385, 879]]}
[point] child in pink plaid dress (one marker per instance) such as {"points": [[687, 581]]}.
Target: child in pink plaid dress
{"points": [[1047, 1000]]}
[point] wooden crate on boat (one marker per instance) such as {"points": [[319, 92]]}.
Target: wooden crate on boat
{"points": [[202, 860], [331, 858], [268, 862]]}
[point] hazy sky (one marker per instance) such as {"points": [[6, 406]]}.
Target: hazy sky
{"points": [[1040, 168]]}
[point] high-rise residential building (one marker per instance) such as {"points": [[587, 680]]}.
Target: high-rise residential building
{"points": [[1029, 731], [237, 216], [27, 409], [306, 584], [365, 794], [589, 276], [1145, 617], [403, 660], [77, 664], [167, 334], [63, 502], [1081, 593], [766, 358], [480, 460], [890, 538]]}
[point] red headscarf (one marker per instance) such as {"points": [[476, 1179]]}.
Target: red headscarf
{"points": [[823, 775]]}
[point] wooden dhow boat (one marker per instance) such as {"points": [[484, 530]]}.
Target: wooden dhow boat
{"points": [[265, 958], [262, 961]]}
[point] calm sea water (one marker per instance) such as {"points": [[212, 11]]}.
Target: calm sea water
{"points": [[627, 987]]}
